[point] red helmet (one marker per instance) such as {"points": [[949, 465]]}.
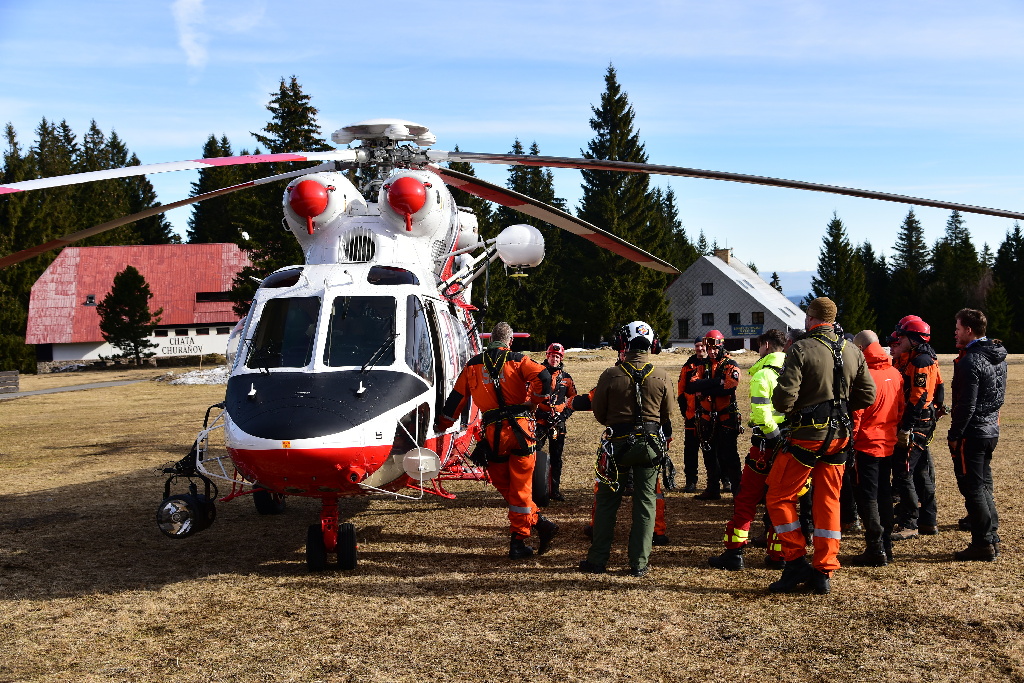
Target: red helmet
{"points": [[556, 349], [918, 328], [714, 339]]}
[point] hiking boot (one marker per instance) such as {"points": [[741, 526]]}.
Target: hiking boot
{"points": [[659, 539], [902, 533], [820, 582], [708, 494], [641, 572], [851, 527], [546, 530], [556, 496], [795, 573], [691, 487], [870, 558], [964, 523], [731, 559], [984, 552], [588, 531], [774, 562], [928, 529], [587, 568], [518, 549], [726, 486]]}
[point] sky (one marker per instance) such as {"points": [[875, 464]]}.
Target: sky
{"points": [[922, 97]]}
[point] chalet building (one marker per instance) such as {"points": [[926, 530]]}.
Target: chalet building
{"points": [[190, 282], [720, 293]]}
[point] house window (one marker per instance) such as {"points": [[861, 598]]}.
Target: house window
{"points": [[707, 318], [181, 332], [223, 330], [202, 297], [757, 318], [684, 328], [707, 289], [159, 333], [734, 318], [202, 330], [90, 300]]}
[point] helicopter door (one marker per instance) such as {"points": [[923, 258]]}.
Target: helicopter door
{"points": [[441, 380]]}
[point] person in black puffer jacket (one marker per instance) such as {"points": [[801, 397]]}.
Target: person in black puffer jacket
{"points": [[979, 387]]}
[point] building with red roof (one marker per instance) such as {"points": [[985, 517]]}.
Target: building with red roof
{"points": [[190, 282]]}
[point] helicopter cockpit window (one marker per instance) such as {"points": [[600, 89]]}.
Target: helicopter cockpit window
{"points": [[286, 278], [285, 333], [391, 275], [360, 327], [417, 340]]}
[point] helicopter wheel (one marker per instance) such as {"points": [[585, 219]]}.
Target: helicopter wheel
{"points": [[268, 503], [348, 547], [542, 479], [316, 551]]}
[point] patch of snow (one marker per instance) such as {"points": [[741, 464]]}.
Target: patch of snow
{"points": [[217, 375]]}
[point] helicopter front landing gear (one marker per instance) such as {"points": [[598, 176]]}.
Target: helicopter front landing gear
{"points": [[331, 537]]}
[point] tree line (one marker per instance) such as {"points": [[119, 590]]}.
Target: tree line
{"points": [[578, 295], [934, 281]]}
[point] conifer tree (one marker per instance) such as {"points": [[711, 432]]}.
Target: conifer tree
{"points": [[876, 278], [776, 283], [840, 277], [125, 319], [484, 286], [910, 269], [956, 279], [292, 128], [1008, 272], [14, 221], [678, 250], [610, 290], [211, 219], [703, 248]]}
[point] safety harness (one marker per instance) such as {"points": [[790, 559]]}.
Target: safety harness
{"points": [[512, 414], [835, 412], [624, 450]]}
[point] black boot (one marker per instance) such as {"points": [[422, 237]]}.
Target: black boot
{"points": [[796, 573], [981, 552], [731, 559], [691, 486], [546, 530], [708, 494], [518, 549], [659, 539], [819, 583], [874, 556]]}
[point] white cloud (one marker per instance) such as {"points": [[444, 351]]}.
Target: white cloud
{"points": [[188, 15]]}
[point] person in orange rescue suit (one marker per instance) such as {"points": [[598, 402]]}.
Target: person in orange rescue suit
{"points": [[717, 416], [688, 407], [924, 392], [633, 400], [553, 413], [508, 387], [823, 379], [765, 441], [874, 436]]}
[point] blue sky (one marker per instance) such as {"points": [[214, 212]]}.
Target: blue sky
{"points": [[924, 98]]}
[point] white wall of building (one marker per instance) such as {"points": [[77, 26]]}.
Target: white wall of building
{"points": [[177, 342]]}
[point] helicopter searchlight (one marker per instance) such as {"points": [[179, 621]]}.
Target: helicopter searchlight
{"points": [[520, 246]]}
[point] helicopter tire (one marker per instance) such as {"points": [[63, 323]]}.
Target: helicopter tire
{"points": [[268, 503], [348, 547], [316, 550], [542, 479]]}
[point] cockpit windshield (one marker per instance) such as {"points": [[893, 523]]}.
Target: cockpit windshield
{"points": [[360, 325], [285, 334]]}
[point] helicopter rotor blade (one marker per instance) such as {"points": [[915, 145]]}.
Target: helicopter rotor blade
{"points": [[549, 214], [632, 167], [25, 254], [339, 155]]}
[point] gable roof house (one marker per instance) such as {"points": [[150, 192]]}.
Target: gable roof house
{"points": [[721, 293], [191, 282]]}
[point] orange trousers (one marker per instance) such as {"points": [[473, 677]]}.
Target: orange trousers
{"points": [[785, 481], [514, 479]]}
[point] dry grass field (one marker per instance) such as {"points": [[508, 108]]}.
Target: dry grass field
{"points": [[91, 591]]}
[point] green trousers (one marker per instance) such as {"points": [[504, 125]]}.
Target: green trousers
{"points": [[642, 529]]}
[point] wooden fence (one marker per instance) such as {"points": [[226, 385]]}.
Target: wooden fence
{"points": [[9, 382]]}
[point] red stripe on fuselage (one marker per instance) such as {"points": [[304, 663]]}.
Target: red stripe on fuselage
{"points": [[310, 471]]}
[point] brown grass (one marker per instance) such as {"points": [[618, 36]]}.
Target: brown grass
{"points": [[90, 590]]}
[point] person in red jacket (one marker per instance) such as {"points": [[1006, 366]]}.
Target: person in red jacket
{"points": [[688, 407], [874, 436], [553, 412], [508, 387]]}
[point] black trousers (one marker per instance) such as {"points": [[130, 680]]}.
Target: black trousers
{"points": [[555, 447], [691, 453], [913, 480], [722, 459], [972, 466], [872, 486]]}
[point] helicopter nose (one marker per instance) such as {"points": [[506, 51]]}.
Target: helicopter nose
{"points": [[308, 199], [407, 195]]}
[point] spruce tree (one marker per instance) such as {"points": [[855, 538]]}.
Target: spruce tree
{"points": [[292, 128], [125, 319], [956, 280], [840, 277], [211, 219], [775, 282], [609, 290], [15, 215], [703, 248], [876, 278], [1008, 272], [910, 269], [679, 251]]}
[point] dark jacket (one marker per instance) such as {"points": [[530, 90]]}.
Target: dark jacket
{"points": [[614, 402], [979, 387]]}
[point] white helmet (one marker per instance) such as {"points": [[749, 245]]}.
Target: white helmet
{"points": [[634, 331]]}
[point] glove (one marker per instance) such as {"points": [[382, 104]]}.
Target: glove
{"points": [[954, 446], [941, 411], [903, 438]]}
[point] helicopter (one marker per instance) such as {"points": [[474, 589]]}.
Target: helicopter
{"points": [[342, 362]]}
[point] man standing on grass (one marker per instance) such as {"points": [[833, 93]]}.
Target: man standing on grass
{"points": [[979, 387]]}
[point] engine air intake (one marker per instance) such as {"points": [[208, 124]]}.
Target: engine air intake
{"points": [[359, 245]]}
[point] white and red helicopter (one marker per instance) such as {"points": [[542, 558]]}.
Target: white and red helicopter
{"points": [[342, 362]]}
